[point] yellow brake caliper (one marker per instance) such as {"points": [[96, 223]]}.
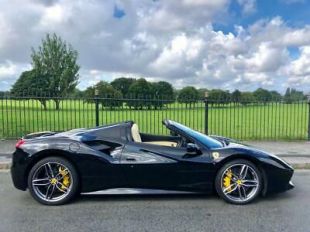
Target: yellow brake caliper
{"points": [[65, 178], [227, 179]]}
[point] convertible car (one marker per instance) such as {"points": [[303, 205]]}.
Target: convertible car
{"points": [[55, 167]]}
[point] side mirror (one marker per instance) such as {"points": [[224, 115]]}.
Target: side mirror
{"points": [[192, 149]]}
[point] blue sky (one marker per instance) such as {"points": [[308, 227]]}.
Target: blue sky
{"points": [[226, 44], [294, 12]]}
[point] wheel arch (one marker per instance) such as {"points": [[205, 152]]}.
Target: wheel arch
{"points": [[51, 153], [252, 159]]}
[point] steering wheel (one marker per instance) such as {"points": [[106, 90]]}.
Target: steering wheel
{"points": [[182, 142]]}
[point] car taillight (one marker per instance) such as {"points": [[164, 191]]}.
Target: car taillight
{"points": [[19, 143]]}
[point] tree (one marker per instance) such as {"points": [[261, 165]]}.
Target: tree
{"points": [[262, 95], [275, 96], [219, 96], [297, 95], [287, 96], [57, 61], [162, 93], [292, 95], [4, 93], [247, 98], [77, 93], [139, 91], [31, 85], [107, 95], [236, 96], [188, 95], [202, 92], [123, 84]]}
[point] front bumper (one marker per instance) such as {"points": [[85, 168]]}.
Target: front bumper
{"points": [[279, 179], [290, 185]]}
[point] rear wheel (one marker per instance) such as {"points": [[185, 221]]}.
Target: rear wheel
{"points": [[53, 181], [238, 182]]}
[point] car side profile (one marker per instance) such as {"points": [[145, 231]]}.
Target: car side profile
{"points": [[56, 166]]}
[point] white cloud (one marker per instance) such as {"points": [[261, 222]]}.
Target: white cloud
{"points": [[299, 69], [248, 6], [160, 40], [180, 50], [263, 59], [7, 69], [54, 14], [209, 3]]}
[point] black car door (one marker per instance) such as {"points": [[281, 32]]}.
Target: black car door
{"points": [[163, 167]]}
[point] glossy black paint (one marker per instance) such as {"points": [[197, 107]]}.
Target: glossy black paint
{"points": [[106, 157]]}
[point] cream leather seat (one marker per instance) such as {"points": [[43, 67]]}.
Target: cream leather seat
{"points": [[135, 133], [137, 138]]}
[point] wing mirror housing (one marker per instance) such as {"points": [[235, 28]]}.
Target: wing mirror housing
{"points": [[192, 149]]}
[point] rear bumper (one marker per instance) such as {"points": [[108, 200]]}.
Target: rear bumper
{"points": [[19, 169]]}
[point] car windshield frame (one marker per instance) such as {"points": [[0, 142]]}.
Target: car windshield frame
{"points": [[200, 137]]}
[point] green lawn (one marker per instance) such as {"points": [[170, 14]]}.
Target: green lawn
{"points": [[259, 121]]}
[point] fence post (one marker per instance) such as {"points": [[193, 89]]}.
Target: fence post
{"points": [[97, 107], [206, 113], [308, 97]]}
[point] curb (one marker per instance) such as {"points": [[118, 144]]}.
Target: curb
{"points": [[5, 165], [301, 166]]}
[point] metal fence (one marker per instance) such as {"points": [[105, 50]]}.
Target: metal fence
{"points": [[239, 120]]}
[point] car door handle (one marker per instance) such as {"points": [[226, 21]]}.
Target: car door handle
{"points": [[130, 159]]}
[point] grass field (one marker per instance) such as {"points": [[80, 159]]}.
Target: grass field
{"points": [[255, 121]]}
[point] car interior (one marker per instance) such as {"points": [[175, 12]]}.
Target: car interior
{"points": [[162, 140]]}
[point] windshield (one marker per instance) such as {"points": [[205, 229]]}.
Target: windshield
{"points": [[202, 138]]}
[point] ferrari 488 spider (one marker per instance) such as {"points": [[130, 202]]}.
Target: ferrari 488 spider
{"points": [[56, 166]]}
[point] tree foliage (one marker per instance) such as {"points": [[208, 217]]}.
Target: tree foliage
{"points": [[139, 94], [236, 96], [188, 95], [161, 94], [57, 62], [107, 95], [247, 98], [123, 84], [202, 92], [219, 96], [293, 95], [262, 95], [275, 96], [31, 85]]}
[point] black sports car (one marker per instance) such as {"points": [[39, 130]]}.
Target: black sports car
{"points": [[57, 166]]}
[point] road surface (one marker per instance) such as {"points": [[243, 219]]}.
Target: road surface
{"points": [[288, 211]]}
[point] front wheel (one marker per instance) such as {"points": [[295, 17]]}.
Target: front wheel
{"points": [[238, 182], [53, 181]]}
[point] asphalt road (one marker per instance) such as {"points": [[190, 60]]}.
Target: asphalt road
{"points": [[288, 211]]}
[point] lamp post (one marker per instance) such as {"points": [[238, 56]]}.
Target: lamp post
{"points": [[206, 112], [97, 106]]}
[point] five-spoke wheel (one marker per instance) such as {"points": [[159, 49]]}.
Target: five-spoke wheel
{"points": [[53, 181], [238, 182]]}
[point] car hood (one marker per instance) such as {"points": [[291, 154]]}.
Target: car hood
{"points": [[243, 149]]}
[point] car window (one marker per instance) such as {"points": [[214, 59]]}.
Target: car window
{"points": [[202, 138]]}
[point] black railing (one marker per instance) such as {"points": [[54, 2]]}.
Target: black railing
{"points": [[239, 120]]}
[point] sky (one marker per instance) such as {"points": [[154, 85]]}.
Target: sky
{"points": [[227, 44]]}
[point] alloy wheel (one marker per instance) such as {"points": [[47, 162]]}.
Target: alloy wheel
{"points": [[240, 183], [52, 181]]}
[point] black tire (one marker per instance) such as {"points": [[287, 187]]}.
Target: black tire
{"points": [[219, 181], [74, 181]]}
